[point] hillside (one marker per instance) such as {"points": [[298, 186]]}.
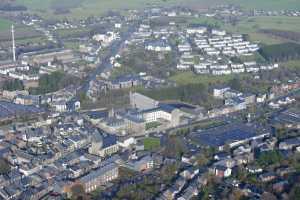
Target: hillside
{"points": [[79, 8]]}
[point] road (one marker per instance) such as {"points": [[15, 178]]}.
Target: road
{"points": [[105, 64]]}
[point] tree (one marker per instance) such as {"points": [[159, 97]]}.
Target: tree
{"points": [[236, 194], [174, 147], [227, 148], [295, 192], [202, 160], [4, 166], [77, 191], [268, 196], [12, 85], [55, 81], [269, 158], [235, 84]]}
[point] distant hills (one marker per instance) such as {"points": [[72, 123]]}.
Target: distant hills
{"points": [[80, 8]]}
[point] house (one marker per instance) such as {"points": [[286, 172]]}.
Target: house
{"points": [[233, 135], [222, 171], [219, 91], [282, 171], [190, 192], [96, 116], [248, 98], [134, 124], [73, 105], [13, 94], [189, 173], [103, 144], [101, 176], [218, 32], [142, 164], [46, 56], [127, 142], [267, 177], [113, 125], [244, 158], [184, 47], [196, 29], [27, 99], [60, 106], [260, 98], [289, 144], [254, 169], [280, 186], [123, 82], [158, 46], [222, 156], [162, 112], [232, 93]]}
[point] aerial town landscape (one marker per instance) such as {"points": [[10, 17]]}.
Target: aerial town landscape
{"points": [[149, 100]]}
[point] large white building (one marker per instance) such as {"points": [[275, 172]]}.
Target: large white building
{"points": [[163, 112]]}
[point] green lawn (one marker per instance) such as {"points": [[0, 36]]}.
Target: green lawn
{"points": [[151, 143], [184, 78]]}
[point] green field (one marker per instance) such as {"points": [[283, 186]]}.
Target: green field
{"points": [[5, 24], [151, 143], [184, 78], [80, 8], [251, 26], [275, 22], [294, 64]]}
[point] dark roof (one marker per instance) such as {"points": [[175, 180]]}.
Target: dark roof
{"points": [[109, 140], [97, 114], [157, 43], [8, 109], [125, 78], [289, 116], [99, 172], [221, 167], [178, 105], [221, 135], [166, 108], [105, 139]]}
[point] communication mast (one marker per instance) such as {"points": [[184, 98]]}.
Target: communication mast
{"points": [[13, 43]]}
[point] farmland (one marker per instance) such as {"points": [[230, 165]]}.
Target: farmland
{"points": [[4, 24], [253, 25], [21, 33], [83, 8]]}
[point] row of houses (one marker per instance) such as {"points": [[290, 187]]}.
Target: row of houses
{"points": [[187, 62]]}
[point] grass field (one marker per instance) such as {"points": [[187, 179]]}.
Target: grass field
{"points": [[151, 143], [292, 64], [251, 26], [274, 22], [184, 78], [81, 8], [5, 24]]}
